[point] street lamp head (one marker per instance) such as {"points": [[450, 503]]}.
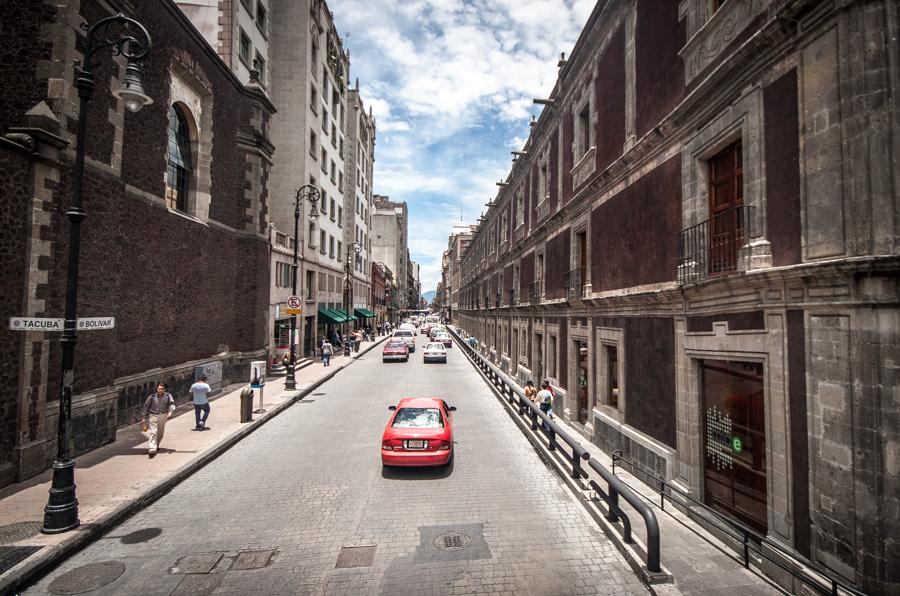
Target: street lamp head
{"points": [[132, 89], [313, 213]]}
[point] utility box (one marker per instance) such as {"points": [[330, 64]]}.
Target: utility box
{"points": [[213, 372]]}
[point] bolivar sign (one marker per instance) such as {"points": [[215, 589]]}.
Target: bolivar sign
{"points": [[41, 324]]}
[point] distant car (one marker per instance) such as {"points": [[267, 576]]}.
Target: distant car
{"points": [[395, 350], [445, 339], [407, 326], [406, 336], [419, 433], [435, 351], [425, 329]]}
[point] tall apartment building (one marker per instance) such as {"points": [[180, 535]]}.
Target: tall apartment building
{"points": [[309, 87], [389, 243], [359, 200], [239, 30], [700, 250], [457, 245]]}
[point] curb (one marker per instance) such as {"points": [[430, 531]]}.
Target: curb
{"points": [[33, 571]]}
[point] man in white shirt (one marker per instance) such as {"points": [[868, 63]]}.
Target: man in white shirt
{"points": [[200, 397], [545, 400]]}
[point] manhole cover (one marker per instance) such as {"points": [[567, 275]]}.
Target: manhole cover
{"points": [[20, 531], [196, 563], [355, 556], [452, 541], [87, 578], [10, 556]]}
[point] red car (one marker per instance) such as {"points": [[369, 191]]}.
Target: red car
{"points": [[395, 350], [419, 433]]}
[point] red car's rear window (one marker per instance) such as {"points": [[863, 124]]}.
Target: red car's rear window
{"points": [[418, 418], [396, 345]]}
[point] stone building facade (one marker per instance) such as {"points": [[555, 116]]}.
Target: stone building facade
{"points": [[181, 262], [359, 200], [699, 248]]}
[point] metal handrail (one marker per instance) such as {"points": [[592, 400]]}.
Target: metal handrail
{"points": [[615, 488], [749, 538]]}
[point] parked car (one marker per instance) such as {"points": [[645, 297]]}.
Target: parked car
{"points": [[395, 350], [406, 336], [419, 433], [434, 351]]}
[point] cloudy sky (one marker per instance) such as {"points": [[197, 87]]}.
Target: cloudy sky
{"points": [[451, 84]]}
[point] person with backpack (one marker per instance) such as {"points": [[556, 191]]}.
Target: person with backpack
{"points": [[545, 401]]}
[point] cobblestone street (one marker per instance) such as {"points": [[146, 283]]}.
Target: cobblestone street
{"points": [[310, 483]]}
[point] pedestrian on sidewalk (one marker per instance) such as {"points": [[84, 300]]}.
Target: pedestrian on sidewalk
{"points": [[200, 398], [530, 391], [157, 409], [552, 397], [327, 351], [545, 401]]}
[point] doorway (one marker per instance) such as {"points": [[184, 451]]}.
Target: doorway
{"points": [[734, 440], [309, 337], [581, 373]]}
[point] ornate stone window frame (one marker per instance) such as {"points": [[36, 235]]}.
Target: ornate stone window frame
{"points": [[742, 120], [604, 337]]}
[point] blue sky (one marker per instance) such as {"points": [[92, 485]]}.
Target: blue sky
{"points": [[451, 84]]}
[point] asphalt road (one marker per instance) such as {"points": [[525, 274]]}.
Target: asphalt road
{"points": [[272, 515]]}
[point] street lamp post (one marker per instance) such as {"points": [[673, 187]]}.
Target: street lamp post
{"points": [[311, 192], [352, 248], [128, 38]]}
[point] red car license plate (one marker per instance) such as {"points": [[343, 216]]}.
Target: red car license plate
{"points": [[419, 444]]}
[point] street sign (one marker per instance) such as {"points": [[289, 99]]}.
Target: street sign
{"points": [[35, 324], [96, 323], [39, 324], [294, 305]]}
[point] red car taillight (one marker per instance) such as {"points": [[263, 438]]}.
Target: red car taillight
{"points": [[386, 445], [444, 446]]}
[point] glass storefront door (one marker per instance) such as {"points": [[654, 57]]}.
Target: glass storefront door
{"points": [[734, 440]]}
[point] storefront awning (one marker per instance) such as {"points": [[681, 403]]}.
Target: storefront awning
{"points": [[364, 313], [343, 313], [329, 316]]}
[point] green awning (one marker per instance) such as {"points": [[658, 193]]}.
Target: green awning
{"points": [[329, 316], [343, 313], [365, 313]]}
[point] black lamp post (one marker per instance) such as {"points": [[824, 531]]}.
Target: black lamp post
{"points": [[311, 192], [354, 248], [128, 38]]}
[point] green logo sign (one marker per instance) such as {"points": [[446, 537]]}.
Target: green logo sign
{"points": [[736, 444]]}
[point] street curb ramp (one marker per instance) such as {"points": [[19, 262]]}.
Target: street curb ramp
{"points": [[34, 570]]}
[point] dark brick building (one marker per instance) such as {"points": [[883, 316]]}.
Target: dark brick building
{"points": [[174, 243], [699, 248]]}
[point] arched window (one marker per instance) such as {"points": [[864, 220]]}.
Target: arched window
{"points": [[178, 160]]}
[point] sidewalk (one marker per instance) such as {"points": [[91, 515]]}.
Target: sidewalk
{"points": [[699, 562], [117, 480]]}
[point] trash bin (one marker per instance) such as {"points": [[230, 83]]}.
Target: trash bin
{"points": [[246, 405]]}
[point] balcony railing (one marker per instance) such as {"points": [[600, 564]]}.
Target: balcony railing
{"points": [[512, 298], [543, 209], [712, 247], [535, 297], [574, 285], [497, 301]]}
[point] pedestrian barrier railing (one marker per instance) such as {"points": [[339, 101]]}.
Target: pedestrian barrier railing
{"points": [[749, 540], [577, 458]]}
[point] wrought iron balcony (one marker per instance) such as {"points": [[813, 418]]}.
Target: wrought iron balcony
{"points": [[512, 298], [497, 301], [574, 285], [535, 292], [713, 247]]}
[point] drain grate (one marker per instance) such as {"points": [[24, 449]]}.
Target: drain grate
{"points": [[10, 556], [87, 578], [20, 531], [452, 541]]}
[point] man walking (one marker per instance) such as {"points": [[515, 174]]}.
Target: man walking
{"points": [[327, 351], [545, 401], [200, 398], [157, 409]]}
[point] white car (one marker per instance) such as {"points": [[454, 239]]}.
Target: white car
{"points": [[406, 336], [435, 351], [407, 327]]}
